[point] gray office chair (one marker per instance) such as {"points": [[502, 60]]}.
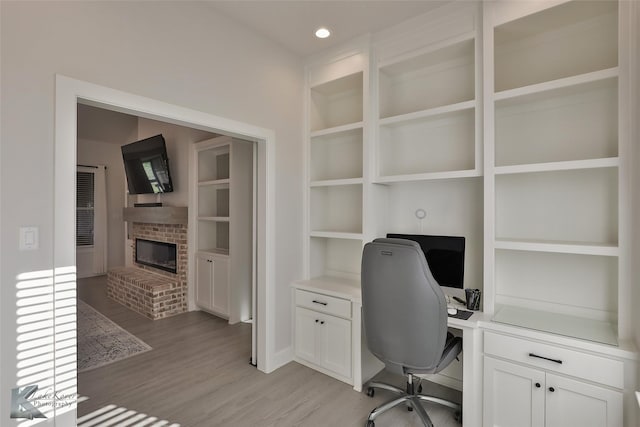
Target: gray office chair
{"points": [[404, 314]]}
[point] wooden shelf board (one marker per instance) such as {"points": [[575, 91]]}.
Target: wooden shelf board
{"points": [[336, 235], [337, 129], [452, 45], [214, 182], [214, 251], [557, 84], [608, 162], [580, 248], [428, 113], [214, 218], [336, 182], [389, 179]]}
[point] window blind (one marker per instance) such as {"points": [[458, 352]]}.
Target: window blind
{"points": [[84, 208]]}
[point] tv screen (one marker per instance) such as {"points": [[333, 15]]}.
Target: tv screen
{"points": [[147, 166], [444, 254]]}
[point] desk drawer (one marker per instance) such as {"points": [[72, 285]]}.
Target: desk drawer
{"points": [[324, 303], [556, 359]]}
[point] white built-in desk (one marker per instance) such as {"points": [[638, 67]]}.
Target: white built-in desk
{"points": [[328, 337]]}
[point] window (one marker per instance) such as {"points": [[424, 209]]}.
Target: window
{"points": [[84, 208]]}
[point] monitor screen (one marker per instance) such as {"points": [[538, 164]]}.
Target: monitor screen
{"points": [[147, 166], [444, 254]]}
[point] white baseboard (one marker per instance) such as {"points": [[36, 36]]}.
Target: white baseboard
{"points": [[281, 358]]}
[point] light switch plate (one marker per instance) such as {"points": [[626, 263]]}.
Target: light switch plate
{"points": [[29, 238]]}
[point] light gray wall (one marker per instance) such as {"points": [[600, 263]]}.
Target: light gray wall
{"points": [[178, 52]]}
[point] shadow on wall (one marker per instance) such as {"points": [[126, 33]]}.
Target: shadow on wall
{"points": [[46, 345]]}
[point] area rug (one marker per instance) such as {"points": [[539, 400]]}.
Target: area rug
{"points": [[101, 342]]}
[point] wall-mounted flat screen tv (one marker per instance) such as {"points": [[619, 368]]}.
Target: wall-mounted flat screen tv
{"points": [[147, 166]]}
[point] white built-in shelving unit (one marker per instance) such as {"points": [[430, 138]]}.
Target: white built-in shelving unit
{"points": [[554, 173], [507, 123], [213, 198], [427, 150], [223, 219], [335, 172], [427, 113]]}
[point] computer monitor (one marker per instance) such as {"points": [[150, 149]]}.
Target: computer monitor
{"points": [[444, 254]]}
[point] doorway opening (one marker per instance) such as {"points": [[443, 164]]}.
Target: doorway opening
{"points": [[70, 93]]}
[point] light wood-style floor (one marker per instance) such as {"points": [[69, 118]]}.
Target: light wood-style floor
{"points": [[198, 375]]}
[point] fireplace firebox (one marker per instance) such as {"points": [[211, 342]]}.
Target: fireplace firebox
{"points": [[155, 254]]}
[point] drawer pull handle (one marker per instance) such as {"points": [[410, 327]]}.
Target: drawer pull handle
{"points": [[537, 385], [551, 389], [319, 302], [545, 358]]}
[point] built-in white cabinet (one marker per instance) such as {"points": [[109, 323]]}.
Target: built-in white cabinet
{"points": [[507, 123], [323, 333], [212, 283], [324, 341], [523, 387], [222, 215]]}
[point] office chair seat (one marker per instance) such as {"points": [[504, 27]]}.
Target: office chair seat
{"points": [[404, 314]]}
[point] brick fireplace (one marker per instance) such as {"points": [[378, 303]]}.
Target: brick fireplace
{"points": [[153, 291]]}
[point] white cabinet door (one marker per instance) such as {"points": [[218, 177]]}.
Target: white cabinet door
{"points": [[323, 340], [204, 295], [513, 395], [574, 403], [306, 337], [220, 285], [335, 344]]}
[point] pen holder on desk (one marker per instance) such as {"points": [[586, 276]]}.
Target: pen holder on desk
{"points": [[473, 299]]}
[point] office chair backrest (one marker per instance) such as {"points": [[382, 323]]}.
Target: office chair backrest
{"points": [[404, 310]]}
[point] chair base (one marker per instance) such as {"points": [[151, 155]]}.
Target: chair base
{"points": [[411, 399]]}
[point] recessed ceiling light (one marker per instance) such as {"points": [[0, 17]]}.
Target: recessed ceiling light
{"points": [[322, 33]]}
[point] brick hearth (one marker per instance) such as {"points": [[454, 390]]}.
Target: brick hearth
{"points": [[149, 291]]}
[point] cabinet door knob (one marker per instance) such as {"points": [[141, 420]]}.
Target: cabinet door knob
{"points": [[322, 323], [551, 389], [317, 320], [537, 385]]}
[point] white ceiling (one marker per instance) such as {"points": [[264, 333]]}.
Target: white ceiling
{"points": [[293, 23]]}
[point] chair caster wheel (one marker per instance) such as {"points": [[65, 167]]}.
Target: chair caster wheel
{"points": [[371, 423], [409, 408], [458, 416], [370, 392]]}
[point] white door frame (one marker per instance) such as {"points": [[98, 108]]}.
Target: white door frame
{"points": [[70, 92]]}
